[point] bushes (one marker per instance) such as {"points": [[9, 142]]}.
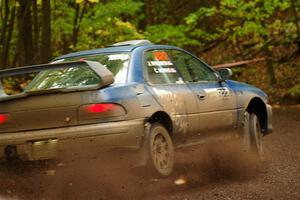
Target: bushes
{"points": [[294, 93]]}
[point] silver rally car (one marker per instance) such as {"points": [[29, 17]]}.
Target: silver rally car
{"points": [[134, 94]]}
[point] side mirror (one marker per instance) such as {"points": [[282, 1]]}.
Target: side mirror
{"points": [[225, 73]]}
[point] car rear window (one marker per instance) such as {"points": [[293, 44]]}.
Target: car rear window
{"points": [[117, 63], [64, 78]]}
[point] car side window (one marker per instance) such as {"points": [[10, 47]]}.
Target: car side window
{"points": [[160, 69], [191, 69]]}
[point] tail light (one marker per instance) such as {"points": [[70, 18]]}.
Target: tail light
{"points": [[101, 111], [101, 108], [3, 118]]}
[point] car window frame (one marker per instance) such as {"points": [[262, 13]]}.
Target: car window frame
{"points": [[145, 71]]}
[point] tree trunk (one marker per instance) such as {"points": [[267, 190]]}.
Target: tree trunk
{"points": [[77, 21], [270, 67], [74, 34], [5, 20], [46, 32], [36, 31], [27, 36], [18, 57], [25, 40], [3, 31], [6, 46]]}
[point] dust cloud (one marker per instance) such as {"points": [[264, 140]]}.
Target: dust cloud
{"points": [[79, 174], [217, 161]]}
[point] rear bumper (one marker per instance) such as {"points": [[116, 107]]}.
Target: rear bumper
{"points": [[120, 134]]}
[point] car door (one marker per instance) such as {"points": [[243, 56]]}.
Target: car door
{"points": [[216, 102], [171, 92]]}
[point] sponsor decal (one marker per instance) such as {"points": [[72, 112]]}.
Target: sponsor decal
{"points": [[118, 57], [165, 70], [221, 92], [161, 56], [160, 63]]}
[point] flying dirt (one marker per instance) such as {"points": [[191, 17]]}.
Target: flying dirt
{"points": [[211, 171]]}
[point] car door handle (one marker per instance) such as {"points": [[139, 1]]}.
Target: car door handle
{"points": [[201, 96]]}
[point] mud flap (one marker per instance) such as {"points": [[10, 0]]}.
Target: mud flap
{"points": [[245, 132], [143, 152]]}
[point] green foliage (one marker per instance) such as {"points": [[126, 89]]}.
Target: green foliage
{"points": [[294, 92], [202, 12], [242, 22], [116, 8], [102, 24], [91, 1], [169, 34], [221, 31], [105, 32], [250, 17], [62, 26]]}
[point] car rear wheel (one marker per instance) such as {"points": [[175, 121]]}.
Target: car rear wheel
{"points": [[252, 135], [161, 158]]}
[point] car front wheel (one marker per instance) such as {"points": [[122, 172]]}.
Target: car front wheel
{"points": [[161, 150], [252, 135]]}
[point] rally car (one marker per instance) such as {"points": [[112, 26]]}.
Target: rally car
{"points": [[134, 94]]}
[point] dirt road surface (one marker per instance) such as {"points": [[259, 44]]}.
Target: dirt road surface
{"points": [[215, 171]]}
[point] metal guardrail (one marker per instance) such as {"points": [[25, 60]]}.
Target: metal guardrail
{"points": [[234, 64]]}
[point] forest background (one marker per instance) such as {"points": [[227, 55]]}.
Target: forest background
{"points": [[219, 32]]}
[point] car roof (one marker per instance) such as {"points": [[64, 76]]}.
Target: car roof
{"points": [[98, 51], [126, 46]]}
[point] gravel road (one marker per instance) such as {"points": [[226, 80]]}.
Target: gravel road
{"points": [[214, 171]]}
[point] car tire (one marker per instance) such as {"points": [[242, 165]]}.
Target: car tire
{"points": [[252, 135], [161, 150]]}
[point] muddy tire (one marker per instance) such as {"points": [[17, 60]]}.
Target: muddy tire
{"points": [[252, 135], [161, 151]]}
